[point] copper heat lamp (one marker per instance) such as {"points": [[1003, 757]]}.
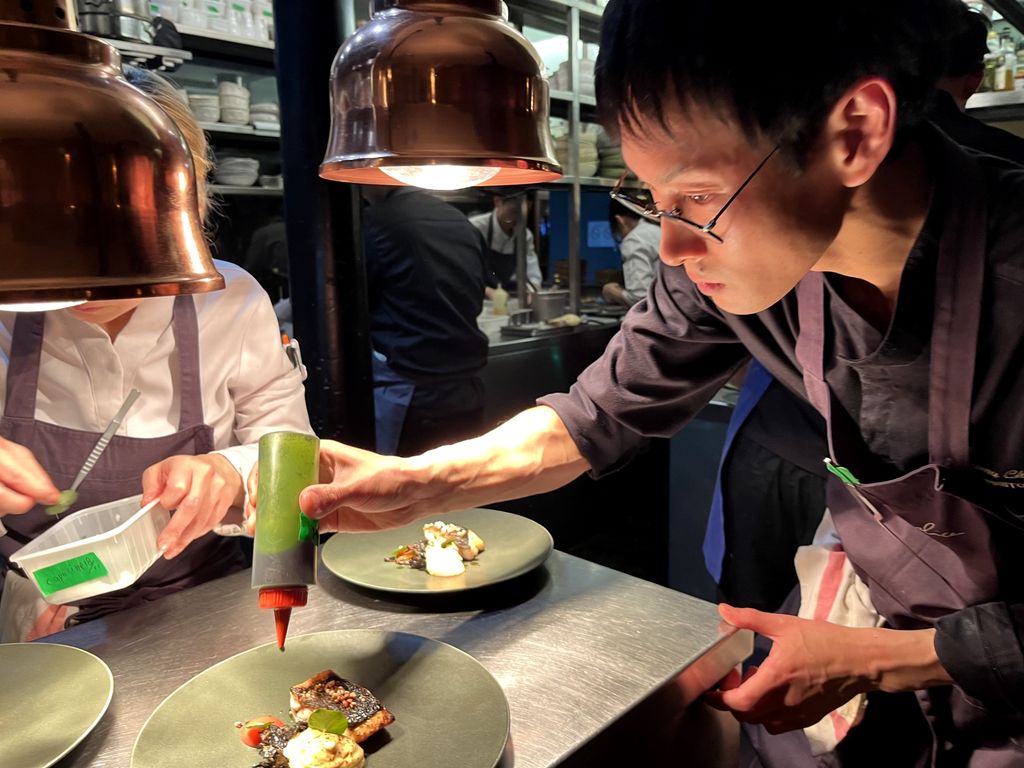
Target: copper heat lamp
{"points": [[97, 188], [440, 94]]}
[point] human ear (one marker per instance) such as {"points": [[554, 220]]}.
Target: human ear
{"points": [[860, 129]]}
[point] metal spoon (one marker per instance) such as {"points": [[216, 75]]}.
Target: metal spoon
{"points": [[69, 497]]}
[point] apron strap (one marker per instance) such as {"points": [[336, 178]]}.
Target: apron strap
{"points": [[186, 337], [810, 343], [959, 291], [23, 368]]}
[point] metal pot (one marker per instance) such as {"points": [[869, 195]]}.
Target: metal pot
{"points": [[549, 304], [117, 25]]}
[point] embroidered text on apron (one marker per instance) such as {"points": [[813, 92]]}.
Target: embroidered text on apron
{"points": [[924, 550], [118, 473]]}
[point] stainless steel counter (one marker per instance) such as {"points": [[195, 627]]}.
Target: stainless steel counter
{"points": [[597, 666]]}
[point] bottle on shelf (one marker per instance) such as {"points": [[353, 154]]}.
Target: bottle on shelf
{"points": [[1010, 65], [1019, 76], [499, 301]]}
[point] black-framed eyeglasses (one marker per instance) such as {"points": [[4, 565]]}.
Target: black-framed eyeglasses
{"points": [[651, 212]]}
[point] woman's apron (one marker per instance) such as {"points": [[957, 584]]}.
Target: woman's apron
{"points": [[502, 265], [118, 473], [919, 542]]}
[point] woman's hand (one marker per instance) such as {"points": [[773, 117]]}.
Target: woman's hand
{"points": [[198, 489], [23, 482], [815, 667], [359, 491]]}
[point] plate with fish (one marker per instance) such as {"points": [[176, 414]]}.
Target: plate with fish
{"points": [[401, 700], [51, 698], [451, 552]]}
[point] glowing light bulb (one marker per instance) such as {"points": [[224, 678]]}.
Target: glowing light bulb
{"points": [[441, 176], [39, 306]]}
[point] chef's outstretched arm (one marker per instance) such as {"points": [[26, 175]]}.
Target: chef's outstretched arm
{"points": [[23, 482], [363, 491]]}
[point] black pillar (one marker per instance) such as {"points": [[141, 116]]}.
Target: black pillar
{"points": [[326, 265]]}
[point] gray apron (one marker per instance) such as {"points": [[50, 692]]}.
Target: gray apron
{"points": [[921, 544], [118, 473]]}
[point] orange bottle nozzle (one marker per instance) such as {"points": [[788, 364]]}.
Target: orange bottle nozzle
{"points": [[282, 600], [281, 618]]}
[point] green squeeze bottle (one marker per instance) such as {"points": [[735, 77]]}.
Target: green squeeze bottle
{"points": [[285, 547]]}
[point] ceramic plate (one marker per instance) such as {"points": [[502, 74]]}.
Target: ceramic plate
{"points": [[515, 545], [51, 696], [442, 700]]}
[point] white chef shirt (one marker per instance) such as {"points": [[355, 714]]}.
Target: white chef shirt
{"points": [[506, 244], [250, 387], [639, 250]]}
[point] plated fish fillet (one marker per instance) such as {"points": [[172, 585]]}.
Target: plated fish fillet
{"points": [[366, 714]]}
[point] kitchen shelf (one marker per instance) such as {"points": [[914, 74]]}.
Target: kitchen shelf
{"points": [[224, 45], [141, 54], [224, 37], [226, 189], [997, 106], [239, 130], [995, 99], [566, 96], [602, 182]]}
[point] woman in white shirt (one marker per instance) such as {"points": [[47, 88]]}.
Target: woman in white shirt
{"points": [[213, 377]]}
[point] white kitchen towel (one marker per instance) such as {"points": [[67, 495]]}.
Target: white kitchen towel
{"points": [[830, 590]]}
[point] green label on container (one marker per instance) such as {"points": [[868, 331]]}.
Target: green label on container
{"points": [[70, 573]]}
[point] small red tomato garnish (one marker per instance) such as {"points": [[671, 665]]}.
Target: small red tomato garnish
{"points": [[252, 728]]}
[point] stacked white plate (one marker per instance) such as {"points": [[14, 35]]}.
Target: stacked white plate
{"points": [[561, 80], [234, 103], [237, 171], [266, 116], [206, 107], [588, 154]]}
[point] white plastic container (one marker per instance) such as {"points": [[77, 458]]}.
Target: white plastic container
{"points": [[95, 550]]}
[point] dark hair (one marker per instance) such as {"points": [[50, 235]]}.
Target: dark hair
{"points": [[777, 69], [615, 208], [968, 43]]}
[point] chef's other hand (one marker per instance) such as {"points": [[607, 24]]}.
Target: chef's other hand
{"points": [[813, 668], [359, 491], [23, 483], [613, 293], [198, 489]]}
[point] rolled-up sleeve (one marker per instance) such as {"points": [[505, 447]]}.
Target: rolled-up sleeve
{"points": [[671, 356], [982, 649]]}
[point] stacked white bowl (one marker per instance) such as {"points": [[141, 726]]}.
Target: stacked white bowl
{"points": [[237, 171], [234, 103], [266, 116], [205, 106], [561, 81]]}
